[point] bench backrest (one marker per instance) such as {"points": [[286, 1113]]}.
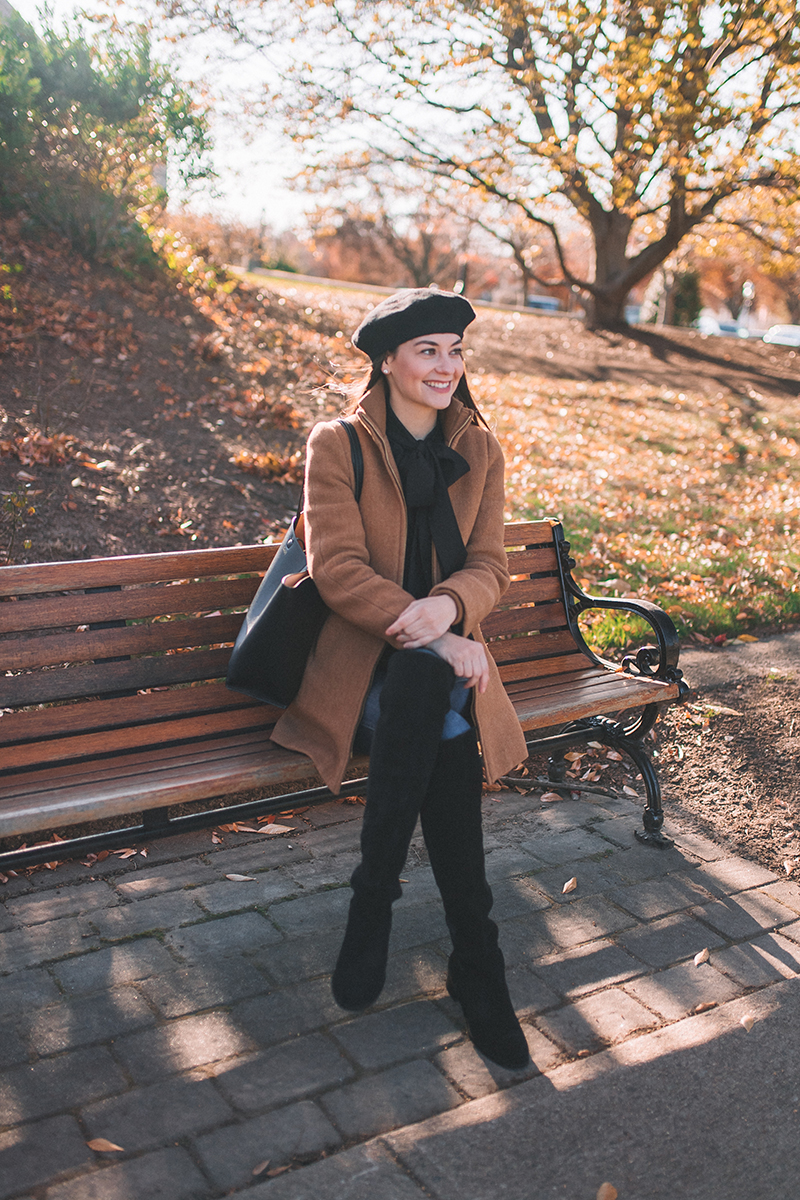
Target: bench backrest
{"points": [[127, 652]]}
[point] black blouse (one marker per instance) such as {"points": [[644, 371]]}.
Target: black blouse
{"points": [[427, 468]]}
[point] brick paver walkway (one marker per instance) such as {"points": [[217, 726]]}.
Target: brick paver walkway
{"points": [[187, 1017]]}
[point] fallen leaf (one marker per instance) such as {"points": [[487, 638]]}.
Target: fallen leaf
{"points": [[746, 637], [248, 829], [128, 853], [103, 1145], [277, 1171], [748, 1022], [262, 1166], [614, 755], [242, 878], [216, 839], [705, 1006], [607, 1191], [629, 791], [788, 866], [702, 957], [271, 830], [570, 885], [547, 796]]}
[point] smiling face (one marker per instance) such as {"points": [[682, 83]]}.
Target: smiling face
{"points": [[422, 375]]}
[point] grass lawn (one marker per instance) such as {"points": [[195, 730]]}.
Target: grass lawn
{"points": [[686, 500]]}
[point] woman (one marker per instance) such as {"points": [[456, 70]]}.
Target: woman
{"points": [[400, 668]]}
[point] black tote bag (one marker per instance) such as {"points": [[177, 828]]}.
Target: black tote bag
{"points": [[282, 625]]}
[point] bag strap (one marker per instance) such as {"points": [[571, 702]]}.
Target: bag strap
{"points": [[357, 457]]}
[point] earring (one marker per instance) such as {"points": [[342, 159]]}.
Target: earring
{"points": [[385, 369]]}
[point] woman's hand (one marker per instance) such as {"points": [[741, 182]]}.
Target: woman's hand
{"points": [[423, 621], [468, 659]]}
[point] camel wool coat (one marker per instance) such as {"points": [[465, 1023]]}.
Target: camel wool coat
{"points": [[356, 554]]}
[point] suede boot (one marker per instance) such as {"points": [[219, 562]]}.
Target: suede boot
{"points": [[452, 827], [413, 703]]}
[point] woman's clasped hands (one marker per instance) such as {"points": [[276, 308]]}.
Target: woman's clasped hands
{"points": [[426, 624]]}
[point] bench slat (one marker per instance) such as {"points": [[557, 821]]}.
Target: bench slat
{"points": [[554, 684], [529, 533], [90, 716], [114, 741], [527, 670], [132, 763], [621, 693], [179, 782], [535, 645], [524, 620], [36, 578], [58, 612], [578, 684], [98, 644], [527, 685], [537, 561], [529, 591], [41, 687]]}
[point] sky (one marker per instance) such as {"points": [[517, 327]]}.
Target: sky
{"points": [[252, 172]]}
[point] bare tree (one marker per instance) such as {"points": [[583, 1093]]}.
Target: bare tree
{"points": [[643, 117]]}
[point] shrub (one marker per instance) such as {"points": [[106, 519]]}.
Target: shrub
{"points": [[85, 126]]}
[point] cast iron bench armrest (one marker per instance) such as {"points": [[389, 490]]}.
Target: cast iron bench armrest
{"points": [[654, 662]]}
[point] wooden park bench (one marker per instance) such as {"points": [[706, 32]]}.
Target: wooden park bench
{"points": [[113, 699]]}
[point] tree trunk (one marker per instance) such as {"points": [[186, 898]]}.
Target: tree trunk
{"points": [[791, 297], [605, 308]]}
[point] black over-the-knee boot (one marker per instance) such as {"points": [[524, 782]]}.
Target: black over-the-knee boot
{"points": [[452, 827], [413, 703]]}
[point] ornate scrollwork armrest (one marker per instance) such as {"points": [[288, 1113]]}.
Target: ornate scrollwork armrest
{"points": [[658, 661]]}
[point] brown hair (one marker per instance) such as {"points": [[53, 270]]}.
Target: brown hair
{"points": [[374, 374]]}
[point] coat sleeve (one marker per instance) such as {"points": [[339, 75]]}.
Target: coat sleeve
{"points": [[483, 579], [338, 559]]}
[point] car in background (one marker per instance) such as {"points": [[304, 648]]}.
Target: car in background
{"points": [[543, 303], [783, 335], [713, 326]]}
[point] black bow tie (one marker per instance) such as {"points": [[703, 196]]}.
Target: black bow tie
{"points": [[423, 463]]}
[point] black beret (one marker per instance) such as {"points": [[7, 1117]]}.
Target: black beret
{"points": [[411, 313]]}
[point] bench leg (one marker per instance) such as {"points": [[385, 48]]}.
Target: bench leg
{"points": [[653, 815], [156, 822], [619, 737]]}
